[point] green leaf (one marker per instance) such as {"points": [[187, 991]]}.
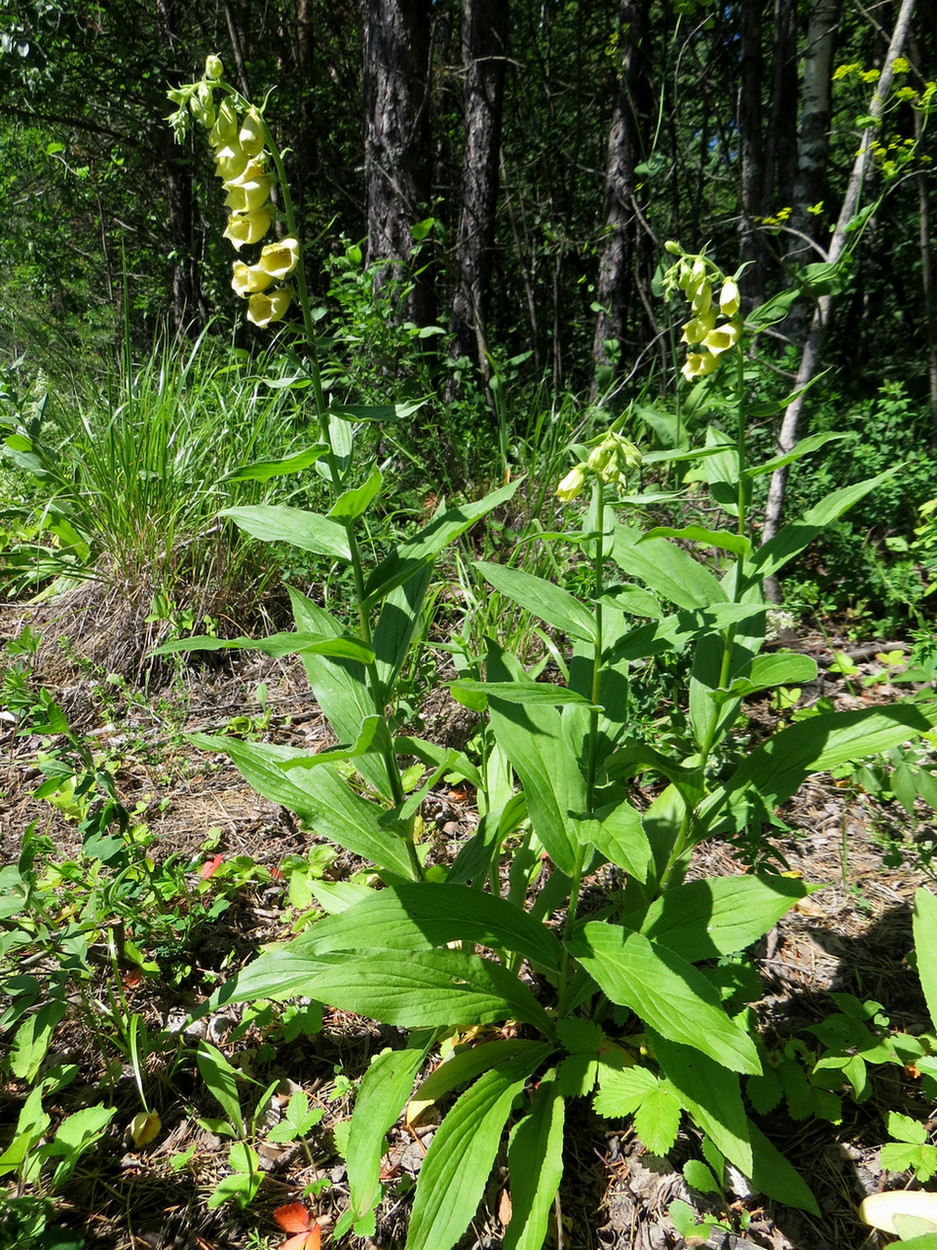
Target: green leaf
{"points": [[221, 1079], [925, 944], [710, 1092], [264, 470], [652, 1102], [617, 832], [400, 619], [667, 570], [475, 694], [775, 1176], [380, 413], [776, 769], [308, 530], [723, 540], [427, 989], [468, 1063], [462, 1153], [345, 646], [717, 915], [551, 603], [353, 503], [782, 668], [812, 443], [428, 915], [535, 1168], [384, 1089], [415, 552], [666, 991], [319, 796]]}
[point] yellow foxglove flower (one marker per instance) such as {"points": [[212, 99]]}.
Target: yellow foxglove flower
{"points": [[244, 228], [225, 130], [251, 135], [248, 279], [255, 167], [698, 365], [248, 197], [265, 308], [730, 299], [279, 259], [230, 162], [722, 338], [572, 484], [696, 330]]}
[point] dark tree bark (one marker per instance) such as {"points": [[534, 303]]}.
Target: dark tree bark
{"points": [[397, 138], [617, 279], [751, 146], [484, 47], [780, 157], [188, 307]]}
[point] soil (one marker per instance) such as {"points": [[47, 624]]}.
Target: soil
{"points": [[852, 936]]}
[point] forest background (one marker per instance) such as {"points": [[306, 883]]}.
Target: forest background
{"points": [[486, 189]]}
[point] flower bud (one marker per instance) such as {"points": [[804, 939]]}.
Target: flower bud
{"points": [[213, 67], [225, 130], [730, 299], [673, 248], [572, 484], [245, 228], [251, 136], [264, 309]]}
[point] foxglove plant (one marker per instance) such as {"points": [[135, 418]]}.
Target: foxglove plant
{"points": [[536, 994]]}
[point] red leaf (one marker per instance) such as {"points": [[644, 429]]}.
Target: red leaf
{"points": [[211, 866], [293, 1218]]}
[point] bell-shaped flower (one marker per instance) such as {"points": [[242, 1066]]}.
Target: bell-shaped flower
{"points": [[255, 167], [224, 133], [249, 279], [722, 338], [231, 162], [251, 136], [698, 365], [696, 330], [279, 259], [245, 228], [266, 307], [248, 197], [572, 484]]}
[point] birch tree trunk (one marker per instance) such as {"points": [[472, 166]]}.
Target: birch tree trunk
{"points": [[790, 426]]}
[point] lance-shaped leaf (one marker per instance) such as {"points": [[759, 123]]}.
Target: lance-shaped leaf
{"points": [[617, 832], [812, 443], [384, 1089], [264, 470], [718, 915], [667, 992], [667, 570], [379, 413], [424, 546], [776, 769], [723, 540], [535, 1166], [475, 694], [342, 646], [319, 796], [551, 603], [462, 1153], [353, 503], [308, 530], [767, 671], [427, 915], [925, 944]]}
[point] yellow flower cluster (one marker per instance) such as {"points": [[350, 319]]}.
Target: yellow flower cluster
{"points": [[243, 165], [706, 337]]}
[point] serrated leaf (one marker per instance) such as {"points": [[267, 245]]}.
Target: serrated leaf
{"points": [[462, 1152]]}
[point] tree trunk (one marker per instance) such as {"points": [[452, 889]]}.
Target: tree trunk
{"points": [[397, 139], [484, 47], [616, 280], [188, 308], [751, 145], [790, 426]]}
